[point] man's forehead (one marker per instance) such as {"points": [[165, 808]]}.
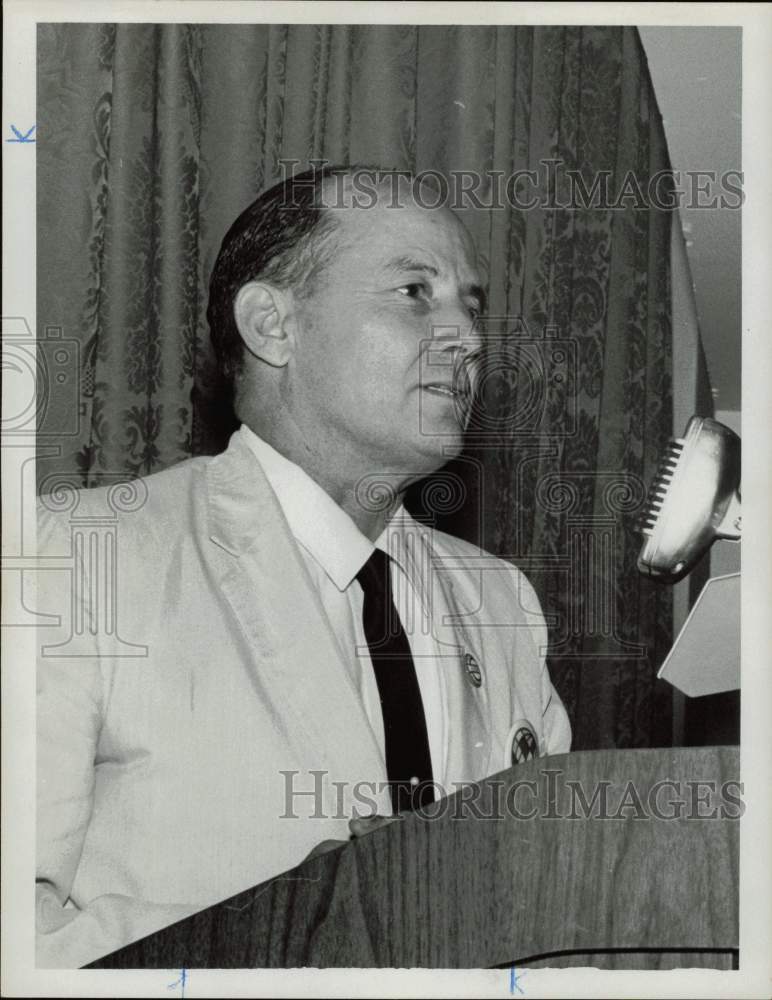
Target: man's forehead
{"points": [[405, 229]]}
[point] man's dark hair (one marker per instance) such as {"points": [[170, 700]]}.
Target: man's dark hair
{"points": [[281, 238]]}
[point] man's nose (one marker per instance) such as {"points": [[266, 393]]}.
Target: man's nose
{"points": [[456, 330], [452, 352], [462, 339]]}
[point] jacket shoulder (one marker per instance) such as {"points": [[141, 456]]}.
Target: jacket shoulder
{"points": [[158, 499], [454, 547], [500, 580]]}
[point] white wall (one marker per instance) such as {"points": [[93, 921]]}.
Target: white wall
{"points": [[725, 556], [696, 74]]}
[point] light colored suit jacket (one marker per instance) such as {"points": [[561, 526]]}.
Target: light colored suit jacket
{"points": [[193, 693]]}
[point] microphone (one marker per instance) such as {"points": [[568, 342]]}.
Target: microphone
{"points": [[693, 500]]}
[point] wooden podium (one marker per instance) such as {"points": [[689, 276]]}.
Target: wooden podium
{"points": [[531, 867]]}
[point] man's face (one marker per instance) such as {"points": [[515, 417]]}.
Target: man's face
{"points": [[371, 380]]}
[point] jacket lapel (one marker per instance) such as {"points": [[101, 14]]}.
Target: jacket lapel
{"points": [[296, 654], [468, 729]]}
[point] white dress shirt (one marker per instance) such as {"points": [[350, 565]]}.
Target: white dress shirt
{"points": [[334, 550]]}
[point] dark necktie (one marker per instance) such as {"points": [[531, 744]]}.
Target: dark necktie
{"points": [[408, 762]]}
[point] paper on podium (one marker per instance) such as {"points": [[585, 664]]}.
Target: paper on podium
{"points": [[705, 658]]}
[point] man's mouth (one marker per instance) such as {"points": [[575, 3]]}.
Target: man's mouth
{"points": [[442, 389]]}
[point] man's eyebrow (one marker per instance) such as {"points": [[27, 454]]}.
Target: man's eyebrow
{"points": [[411, 264]]}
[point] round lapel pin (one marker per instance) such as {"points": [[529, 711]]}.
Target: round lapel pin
{"points": [[473, 671]]}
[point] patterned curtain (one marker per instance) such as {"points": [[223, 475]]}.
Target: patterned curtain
{"points": [[152, 138]]}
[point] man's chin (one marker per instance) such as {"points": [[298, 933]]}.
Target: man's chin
{"points": [[438, 449], [422, 452]]}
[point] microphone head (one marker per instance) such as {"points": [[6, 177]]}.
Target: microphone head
{"points": [[692, 501]]}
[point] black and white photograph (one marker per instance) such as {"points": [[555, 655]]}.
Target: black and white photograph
{"points": [[374, 383]]}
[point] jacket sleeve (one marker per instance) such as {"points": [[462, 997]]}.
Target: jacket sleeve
{"points": [[70, 701], [557, 728]]}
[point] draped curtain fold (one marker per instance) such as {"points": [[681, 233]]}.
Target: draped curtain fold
{"points": [[152, 138]]}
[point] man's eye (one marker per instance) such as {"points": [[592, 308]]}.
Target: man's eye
{"points": [[414, 290]]}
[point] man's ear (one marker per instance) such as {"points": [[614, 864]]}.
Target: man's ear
{"points": [[263, 316]]}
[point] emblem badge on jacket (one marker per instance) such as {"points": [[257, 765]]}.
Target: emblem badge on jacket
{"points": [[521, 744]]}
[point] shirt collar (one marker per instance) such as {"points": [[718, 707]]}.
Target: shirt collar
{"points": [[323, 528]]}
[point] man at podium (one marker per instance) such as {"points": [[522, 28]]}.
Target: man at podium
{"points": [[288, 649]]}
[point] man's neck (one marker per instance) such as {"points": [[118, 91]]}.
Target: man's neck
{"points": [[370, 509], [369, 498]]}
